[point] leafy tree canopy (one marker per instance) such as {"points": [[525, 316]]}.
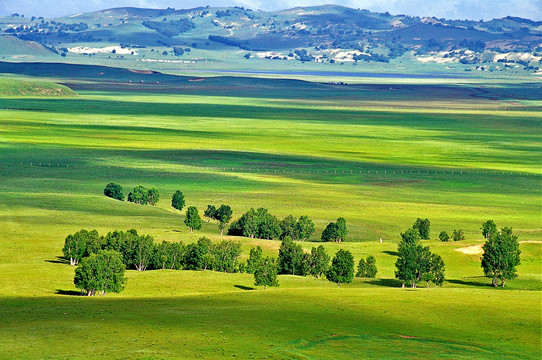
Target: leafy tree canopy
{"points": [[342, 268], [114, 191]]}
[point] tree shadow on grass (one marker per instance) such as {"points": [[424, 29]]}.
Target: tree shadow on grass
{"points": [[470, 282], [242, 287], [385, 282], [59, 260], [68, 292], [392, 253]]}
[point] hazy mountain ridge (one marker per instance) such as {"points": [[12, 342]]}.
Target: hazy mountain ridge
{"points": [[322, 34]]}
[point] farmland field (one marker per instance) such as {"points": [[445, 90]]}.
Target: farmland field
{"points": [[378, 155]]}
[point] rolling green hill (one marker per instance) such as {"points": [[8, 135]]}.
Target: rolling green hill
{"points": [[17, 87]]}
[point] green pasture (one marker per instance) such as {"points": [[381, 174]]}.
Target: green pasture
{"points": [[376, 158]]}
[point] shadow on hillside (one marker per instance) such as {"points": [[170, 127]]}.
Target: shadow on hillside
{"points": [[470, 283], [242, 287], [68, 292], [392, 253], [59, 260], [385, 282]]}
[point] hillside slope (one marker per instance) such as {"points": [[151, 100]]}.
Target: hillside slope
{"points": [[321, 34]]}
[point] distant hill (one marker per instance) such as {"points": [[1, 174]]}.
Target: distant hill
{"points": [[324, 34]]}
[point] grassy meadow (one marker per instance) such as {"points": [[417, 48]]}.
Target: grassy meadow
{"points": [[378, 156]]}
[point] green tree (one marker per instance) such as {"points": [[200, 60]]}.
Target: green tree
{"points": [[318, 261], [153, 196], [195, 257], [304, 228], [335, 231], [423, 228], [268, 225], [193, 220], [411, 236], [342, 268], [114, 191], [501, 256], [330, 232], [250, 224], [254, 259], [367, 268], [288, 227], [142, 252], [139, 195], [177, 200], [256, 224], [80, 245], [225, 255], [100, 273], [210, 213], [362, 268], [247, 225], [342, 230], [168, 255], [371, 269], [412, 259], [290, 258], [266, 273], [488, 229], [443, 236], [458, 235], [223, 215], [436, 270], [75, 247]]}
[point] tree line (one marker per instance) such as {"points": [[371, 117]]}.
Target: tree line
{"points": [[292, 260], [96, 256], [260, 223], [102, 260]]}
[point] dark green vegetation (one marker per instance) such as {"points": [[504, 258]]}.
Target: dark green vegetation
{"points": [[378, 157], [114, 191], [341, 270], [367, 268], [415, 262]]}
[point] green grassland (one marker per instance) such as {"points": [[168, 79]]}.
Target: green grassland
{"points": [[378, 157]]}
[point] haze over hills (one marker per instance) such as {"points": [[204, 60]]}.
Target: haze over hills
{"points": [[323, 34]]}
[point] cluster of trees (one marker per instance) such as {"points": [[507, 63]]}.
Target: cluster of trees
{"points": [[97, 265], [140, 195], [100, 273], [501, 253], [416, 262], [141, 253], [114, 191], [222, 215], [144, 196], [457, 235], [367, 268], [292, 260], [258, 223], [170, 28], [263, 225], [335, 231]]}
